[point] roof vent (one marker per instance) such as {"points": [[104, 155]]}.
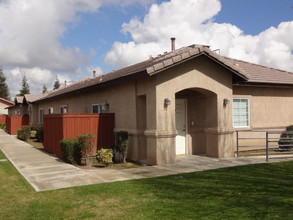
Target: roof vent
{"points": [[173, 43], [94, 73]]}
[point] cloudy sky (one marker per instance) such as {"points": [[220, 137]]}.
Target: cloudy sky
{"points": [[71, 38]]}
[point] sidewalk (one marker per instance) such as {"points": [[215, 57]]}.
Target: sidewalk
{"points": [[45, 172]]}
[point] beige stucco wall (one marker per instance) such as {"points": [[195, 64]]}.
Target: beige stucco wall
{"points": [[217, 126], [271, 108], [3, 111]]}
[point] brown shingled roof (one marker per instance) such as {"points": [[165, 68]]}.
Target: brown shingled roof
{"points": [[31, 98], [262, 74], [251, 73], [18, 99]]}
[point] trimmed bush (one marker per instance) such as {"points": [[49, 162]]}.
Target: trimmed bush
{"points": [[23, 133], [104, 156], [70, 150], [286, 139], [85, 142], [40, 133], [121, 146]]}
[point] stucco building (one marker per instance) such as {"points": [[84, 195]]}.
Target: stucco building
{"points": [[4, 104], [187, 101]]}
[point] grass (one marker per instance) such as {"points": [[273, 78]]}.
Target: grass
{"points": [[2, 156], [34, 142], [262, 191]]}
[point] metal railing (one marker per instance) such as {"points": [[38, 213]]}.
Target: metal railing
{"points": [[271, 144]]}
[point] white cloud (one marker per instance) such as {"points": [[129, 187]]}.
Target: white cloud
{"points": [[30, 31], [192, 23], [36, 78]]}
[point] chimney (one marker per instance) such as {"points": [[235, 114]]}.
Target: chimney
{"points": [[173, 43], [94, 73]]}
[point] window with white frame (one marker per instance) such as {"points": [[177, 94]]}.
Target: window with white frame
{"points": [[63, 109], [50, 111], [99, 108], [241, 112], [41, 115]]}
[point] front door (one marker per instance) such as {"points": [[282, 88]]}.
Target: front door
{"points": [[181, 126]]}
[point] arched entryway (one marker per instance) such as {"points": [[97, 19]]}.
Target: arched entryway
{"points": [[195, 112]]}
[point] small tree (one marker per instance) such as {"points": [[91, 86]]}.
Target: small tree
{"points": [[4, 92], [44, 89], [56, 84], [121, 147], [86, 145], [25, 89]]}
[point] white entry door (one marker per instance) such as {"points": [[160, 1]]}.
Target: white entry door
{"points": [[181, 126]]}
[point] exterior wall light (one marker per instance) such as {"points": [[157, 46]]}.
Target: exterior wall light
{"points": [[167, 102], [226, 102]]}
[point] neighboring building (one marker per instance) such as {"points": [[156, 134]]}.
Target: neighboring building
{"points": [[19, 108], [187, 101], [4, 104]]}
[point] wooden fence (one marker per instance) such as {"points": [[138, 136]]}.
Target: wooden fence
{"points": [[13, 123], [60, 126], [3, 119]]}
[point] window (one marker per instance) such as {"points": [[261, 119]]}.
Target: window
{"points": [[41, 115], [63, 109], [99, 108], [50, 111], [240, 112]]}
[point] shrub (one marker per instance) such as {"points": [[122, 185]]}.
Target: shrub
{"points": [[121, 146], [3, 126], [104, 156], [40, 133], [23, 133], [70, 151], [85, 142], [286, 138], [33, 134]]}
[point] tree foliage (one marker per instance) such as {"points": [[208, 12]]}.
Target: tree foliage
{"points": [[4, 92], [25, 89], [44, 89], [56, 84]]}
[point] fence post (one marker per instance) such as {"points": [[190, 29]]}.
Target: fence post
{"points": [[267, 146], [237, 144]]}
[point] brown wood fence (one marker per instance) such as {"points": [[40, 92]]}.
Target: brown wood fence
{"points": [[60, 126], [13, 123], [3, 119]]}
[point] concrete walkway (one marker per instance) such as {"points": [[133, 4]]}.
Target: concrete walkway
{"points": [[46, 172]]}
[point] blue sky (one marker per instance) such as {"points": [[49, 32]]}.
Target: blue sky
{"points": [[70, 38], [100, 29]]}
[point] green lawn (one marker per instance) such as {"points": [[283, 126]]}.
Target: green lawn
{"points": [[262, 191], [2, 156]]}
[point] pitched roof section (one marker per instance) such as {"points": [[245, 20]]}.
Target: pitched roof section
{"points": [[263, 74], [250, 73], [18, 99], [7, 102], [31, 98]]}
